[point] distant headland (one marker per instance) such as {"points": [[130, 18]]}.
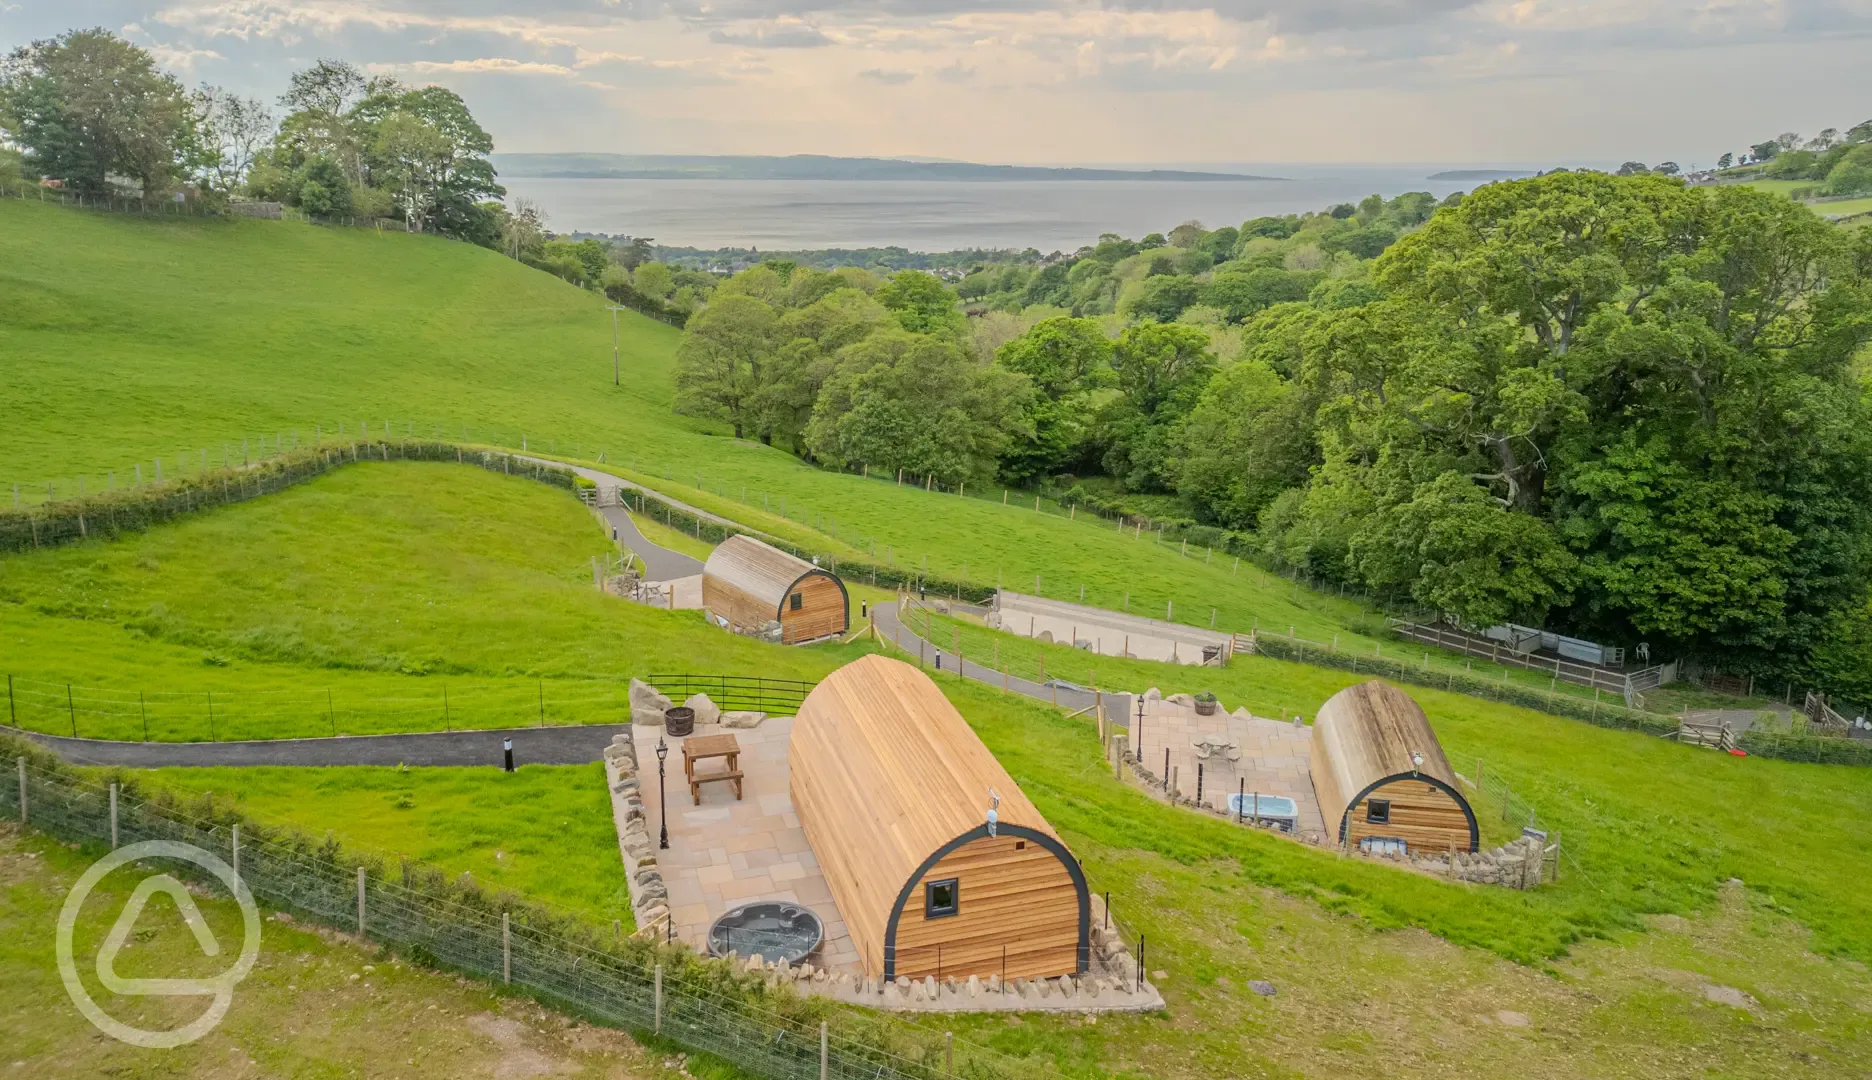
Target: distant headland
{"points": [[811, 167]]}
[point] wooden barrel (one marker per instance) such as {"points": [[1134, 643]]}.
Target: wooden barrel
{"points": [[679, 721]]}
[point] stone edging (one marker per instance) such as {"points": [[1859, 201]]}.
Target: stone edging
{"points": [[649, 896]]}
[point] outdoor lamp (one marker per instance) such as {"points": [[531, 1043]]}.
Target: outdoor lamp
{"points": [[662, 804]]}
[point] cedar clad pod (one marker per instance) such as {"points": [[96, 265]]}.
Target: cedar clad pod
{"points": [[893, 789], [1380, 772], [750, 586]]}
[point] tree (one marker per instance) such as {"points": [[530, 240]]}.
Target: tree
{"points": [[1459, 553], [1765, 151], [1245, 442], [721, 363], [1163, 297], [1161, 369], [523, 231], [1853, 174], [922, 303], [1065, 360], [236, 130], [915, 402], [1725, 161], [1667, 168], [323, 190], [87, 104], [1240, 295]]}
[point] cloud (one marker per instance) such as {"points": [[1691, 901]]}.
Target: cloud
{"points": [[496, 64], [888, 78], [776, 34]]}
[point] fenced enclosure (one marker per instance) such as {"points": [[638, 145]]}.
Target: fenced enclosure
{"points": [[1627, 685], [737, 692], [421, 912]]}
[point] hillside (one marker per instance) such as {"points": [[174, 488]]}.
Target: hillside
{"points": [[137, 339]]}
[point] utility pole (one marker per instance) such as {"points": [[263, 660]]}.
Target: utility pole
{"points": [[615, 380]]}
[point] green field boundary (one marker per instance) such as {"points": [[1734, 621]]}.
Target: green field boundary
{"points": [[111, 513]]}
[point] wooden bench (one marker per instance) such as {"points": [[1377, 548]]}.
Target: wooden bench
{"points": [[703, 747]]}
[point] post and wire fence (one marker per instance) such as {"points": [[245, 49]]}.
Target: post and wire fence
{"points": [[427, 915], [138, 714]]}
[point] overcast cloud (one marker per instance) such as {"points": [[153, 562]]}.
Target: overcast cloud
{"points": [[1046, 81]]}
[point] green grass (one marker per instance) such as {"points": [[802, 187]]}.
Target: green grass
{"points": [[1650, 826], [352, 603], [130, 340], [544, 831], [315, 1005]]}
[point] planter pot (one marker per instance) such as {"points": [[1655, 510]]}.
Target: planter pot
{"points": [[1206, 708], [679, 721]]}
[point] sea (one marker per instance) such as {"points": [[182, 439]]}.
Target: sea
{"points": [[925, 215]]}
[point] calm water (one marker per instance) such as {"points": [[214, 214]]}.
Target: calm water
{"points": [[935, 215]]}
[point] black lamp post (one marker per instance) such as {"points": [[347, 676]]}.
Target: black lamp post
{"points": [[662, 803], [1139, 737]]}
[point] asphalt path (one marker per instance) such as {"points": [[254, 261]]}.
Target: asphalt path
{"points": [[937, 660], [571, 745]]}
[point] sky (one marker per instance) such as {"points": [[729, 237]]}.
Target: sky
{"points": [[1537, 82]]}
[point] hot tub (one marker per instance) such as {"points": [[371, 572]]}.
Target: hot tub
{"points": [[773, 929], [1278, 809]]}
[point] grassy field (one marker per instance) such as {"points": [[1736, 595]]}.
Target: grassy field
{"points": [[1651, 826], [314, 1006], [544, 831], [353, 603], [130, 340]]}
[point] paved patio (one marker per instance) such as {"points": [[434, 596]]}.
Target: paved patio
{"points": [[1273, 758], [724, 852]]}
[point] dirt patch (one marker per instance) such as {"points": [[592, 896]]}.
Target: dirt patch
{"points": [[518, 1060]]}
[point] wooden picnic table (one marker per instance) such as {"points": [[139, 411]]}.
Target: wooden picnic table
{"points": [[701, 748]]}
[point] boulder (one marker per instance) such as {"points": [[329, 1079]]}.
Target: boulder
{"points": [[1241, 713], [974, 986], [1153, 694], [706, 711], [741, 719], [647, 717], [1188, 701], [1262, 987], [645, 696]]}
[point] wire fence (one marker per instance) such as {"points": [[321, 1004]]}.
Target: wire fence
{"points": [[143, 715], [423, 913]]}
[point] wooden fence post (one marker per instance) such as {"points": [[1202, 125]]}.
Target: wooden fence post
{"points": [[506, 949], [825, 1052], [113, 808], [22, 787], [657, 1025], [360, 901]]}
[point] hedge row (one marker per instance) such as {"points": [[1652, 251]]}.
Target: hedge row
{"points": [[1815, 749], [133, 509]]}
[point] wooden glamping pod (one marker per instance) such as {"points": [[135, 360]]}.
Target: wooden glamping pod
{"points": [[1380, 772], [751, 586], [893, 789]]}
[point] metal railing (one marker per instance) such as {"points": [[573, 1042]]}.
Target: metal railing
{"points": [[736, 692]]}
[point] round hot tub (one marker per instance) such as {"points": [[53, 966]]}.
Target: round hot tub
{"points": [[774, 929]]}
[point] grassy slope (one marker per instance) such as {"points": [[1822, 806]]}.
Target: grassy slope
{"points": [[1654, 825], [544, 831], [130, 339], [314, 1005], [382, 584]]}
